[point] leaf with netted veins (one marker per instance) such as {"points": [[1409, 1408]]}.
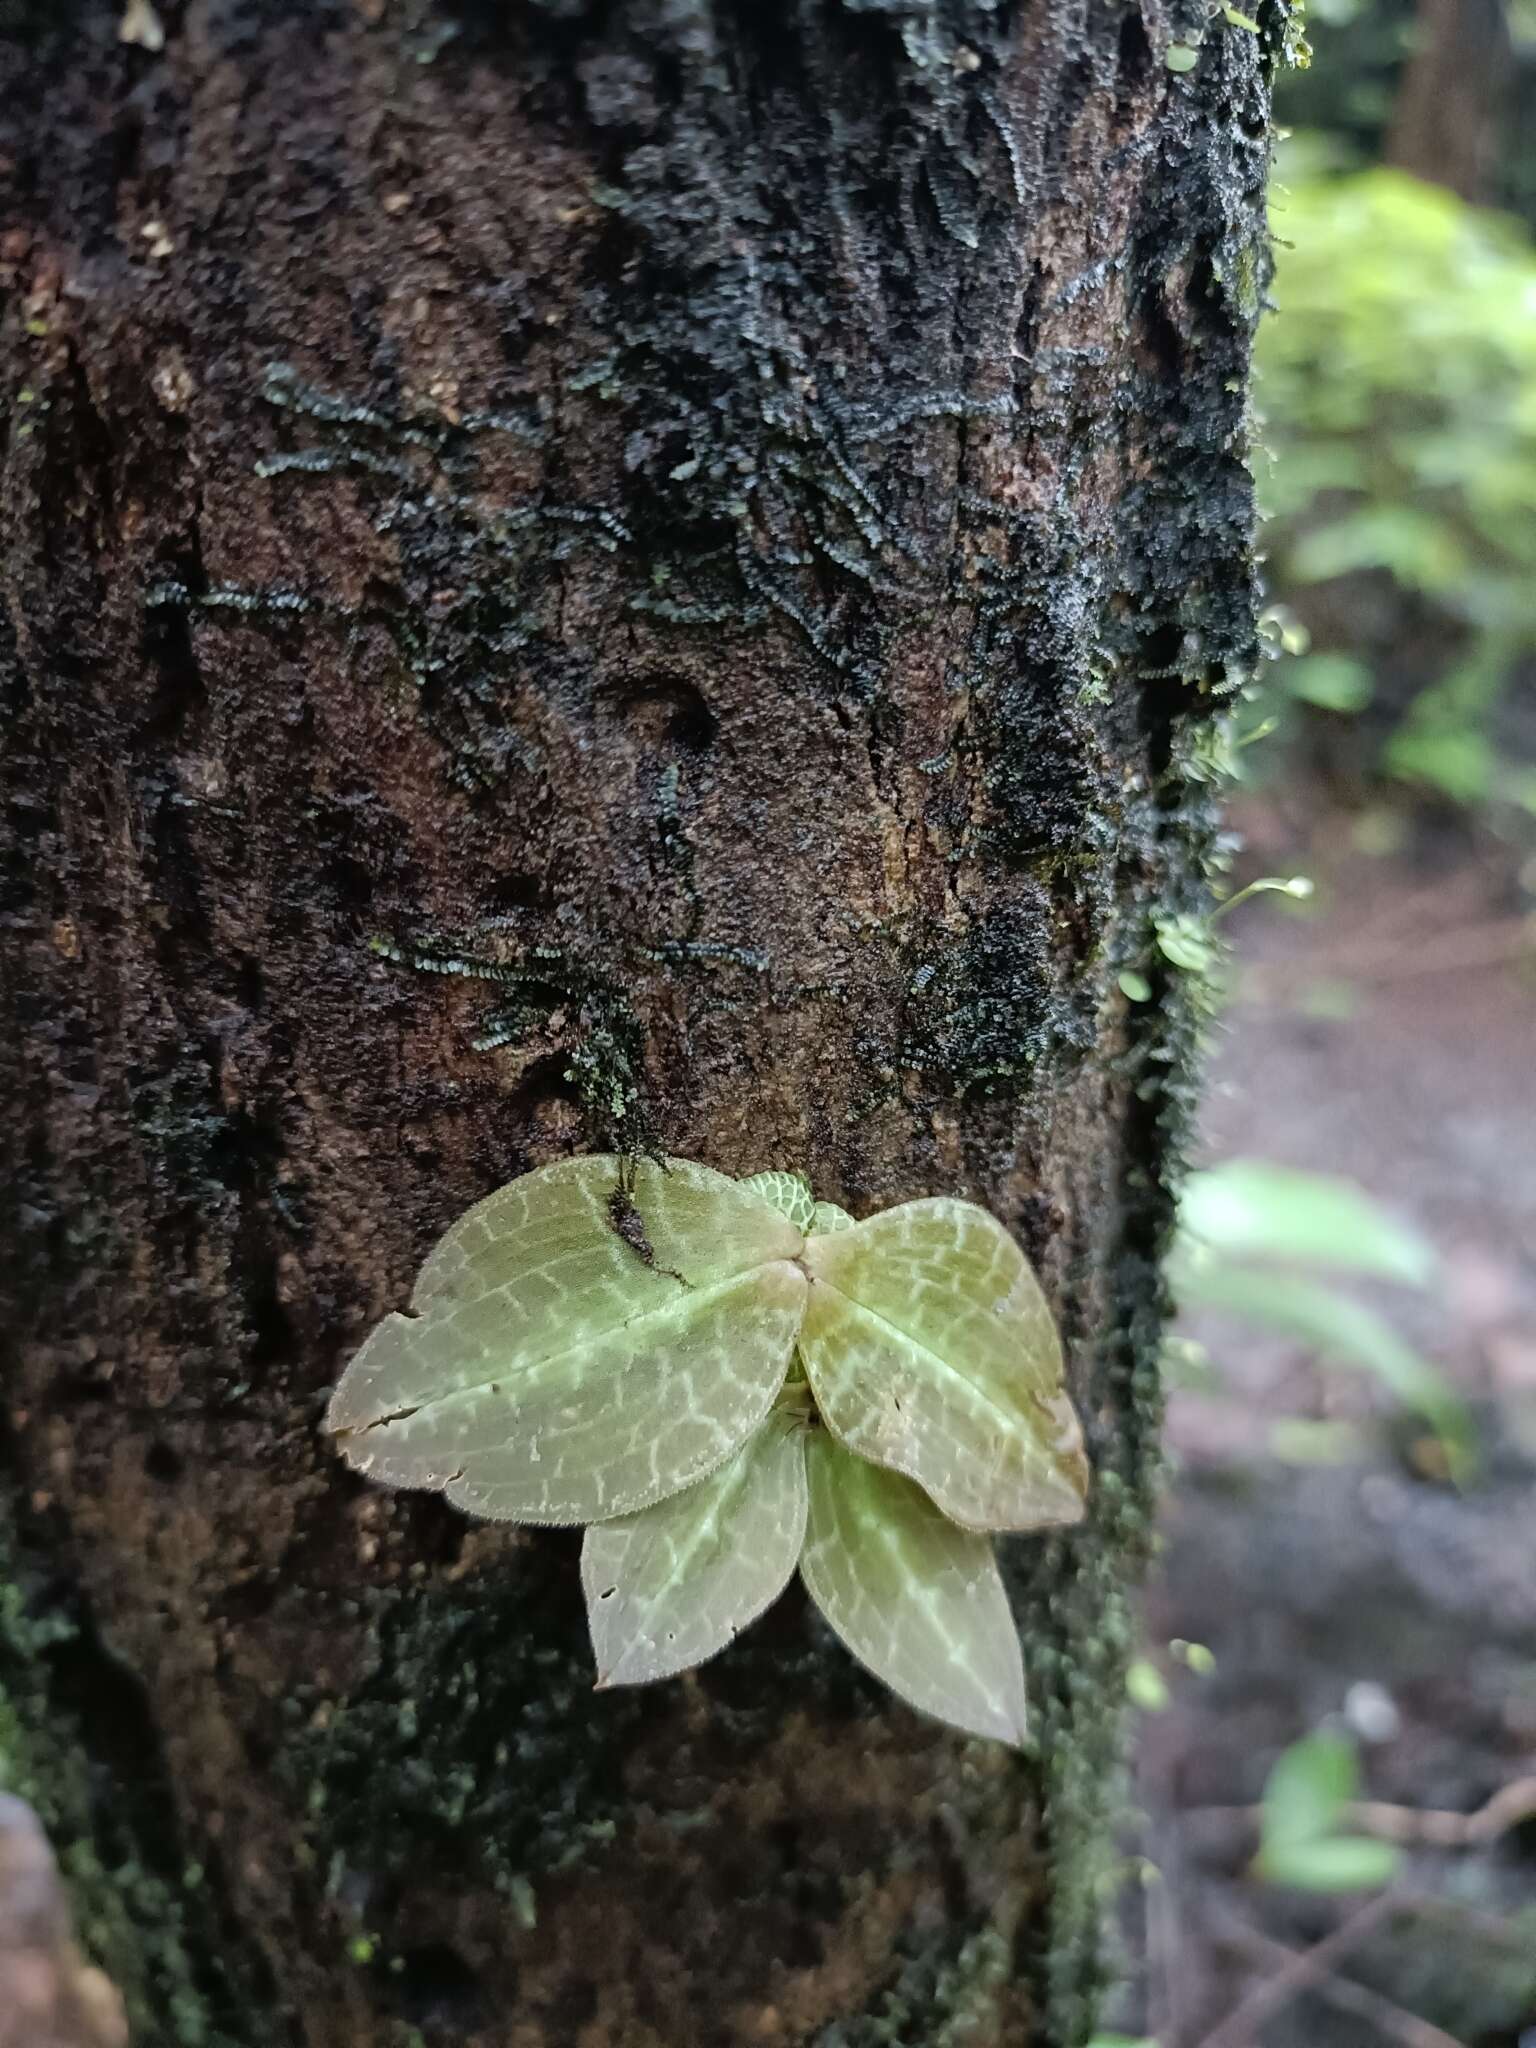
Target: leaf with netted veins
{"points": [[591, 1338], [672, 1585], [789, 1192], [931, 1349], [828, 1216], [916, 1598]]}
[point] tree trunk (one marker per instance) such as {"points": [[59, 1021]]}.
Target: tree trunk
{"points": [[1449, 106], [733, 522]]}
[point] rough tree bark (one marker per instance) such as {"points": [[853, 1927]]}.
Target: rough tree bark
{"points": [[734, 518]]}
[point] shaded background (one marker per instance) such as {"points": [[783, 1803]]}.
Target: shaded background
{"points": [[1330, 1836]]}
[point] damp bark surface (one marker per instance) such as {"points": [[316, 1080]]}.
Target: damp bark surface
{"points": [[582, 576]]}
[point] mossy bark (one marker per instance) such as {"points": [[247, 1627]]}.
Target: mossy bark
{"points": [[731, 522]]}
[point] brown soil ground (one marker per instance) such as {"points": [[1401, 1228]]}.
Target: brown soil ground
{"points": [[1386, 1031]]}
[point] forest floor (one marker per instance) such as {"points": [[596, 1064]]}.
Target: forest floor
{"points": [[1385, 1031]]}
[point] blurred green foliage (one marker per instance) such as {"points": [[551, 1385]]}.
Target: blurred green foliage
{"points": [[1303, 1834], [1250, 1230], [1253, 1208], [1350, 90], [1397, 394]]}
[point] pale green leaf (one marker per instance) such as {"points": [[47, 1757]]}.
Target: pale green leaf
{"points": [[1330, 1863], [1255, 1209], [914, 1597], [581, 1344], [790, 1194], [1146, 1686], [1308, 1788], [1308, 1792], [671, 1586], [1344, 1331], [698, 1226], [931, 1349], [1298, 1440], [827, 1216], [1334, 682], [1187, 942]]}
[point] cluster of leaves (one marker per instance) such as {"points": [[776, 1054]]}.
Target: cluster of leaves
{"points": [[724, 1380], [1254, 1238], [1397, 384]]}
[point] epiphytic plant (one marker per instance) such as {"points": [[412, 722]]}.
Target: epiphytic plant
{"points": [[725, 1379]]}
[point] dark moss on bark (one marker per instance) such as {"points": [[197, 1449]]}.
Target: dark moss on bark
{"points": [[571, 574]]}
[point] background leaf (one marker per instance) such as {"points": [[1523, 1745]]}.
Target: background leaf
{"points": [[1338, 1328], [1308, 1792], [1251, 1207], [1308, 1788], [1337, 1863]]}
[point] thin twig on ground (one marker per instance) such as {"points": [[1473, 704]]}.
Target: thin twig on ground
{"points": [[1306, 1968], [1434, 1827], [1389, 2019]]}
